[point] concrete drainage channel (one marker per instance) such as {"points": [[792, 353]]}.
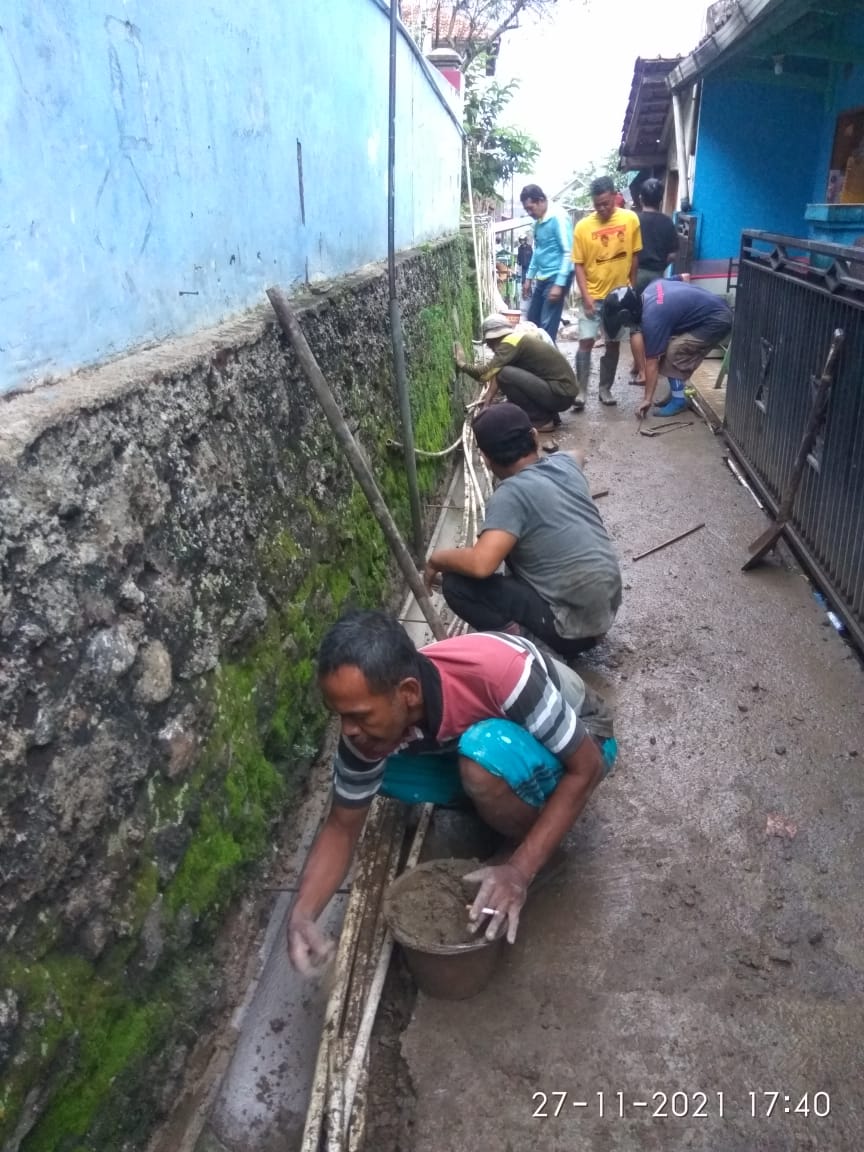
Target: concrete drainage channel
{"points": [[260, 1102]]}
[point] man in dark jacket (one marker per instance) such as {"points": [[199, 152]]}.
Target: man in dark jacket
{"points": [[680, 324]]}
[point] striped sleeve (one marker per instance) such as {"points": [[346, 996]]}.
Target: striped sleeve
{"points": [[355, 780], [537, 704]]}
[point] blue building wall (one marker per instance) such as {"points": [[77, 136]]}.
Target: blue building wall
{"points": [[149, 164], [755, 152]]}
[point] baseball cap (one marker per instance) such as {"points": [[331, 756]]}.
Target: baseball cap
{"points": [[497, 425]]}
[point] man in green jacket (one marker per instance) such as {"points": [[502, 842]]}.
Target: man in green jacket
{"points": [[530, 372]]}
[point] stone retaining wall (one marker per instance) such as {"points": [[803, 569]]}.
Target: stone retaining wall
{"points": [[177, 528]]}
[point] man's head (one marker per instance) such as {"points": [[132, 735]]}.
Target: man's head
{"points": [[622, 308], [369, 673], [534, 201], [505, 436], [651, 194], [495, 328], [603, 192]]}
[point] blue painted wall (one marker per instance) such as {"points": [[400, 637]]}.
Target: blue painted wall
{"points": [[755, 152], [148, 164]]}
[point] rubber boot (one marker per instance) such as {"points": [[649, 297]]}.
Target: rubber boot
{"points": [[583, 375], [608, 368], [677, 402]]}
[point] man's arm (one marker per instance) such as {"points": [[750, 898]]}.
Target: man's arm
{"points": [[652, 365], [484, 372], [480, 561], [582, 282], [566, 240], [634, 268], [326, 867], [583, 770]]}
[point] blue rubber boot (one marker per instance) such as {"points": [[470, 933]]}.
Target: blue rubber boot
{"points": [[677, 402]]}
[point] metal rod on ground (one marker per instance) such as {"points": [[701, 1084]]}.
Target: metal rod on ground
{"points": [[360, 468], [395, 316], [666, 543]]}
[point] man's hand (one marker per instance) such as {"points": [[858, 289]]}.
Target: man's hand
{"points": [[504, 889], [589, 306], [555, 293], [643, 409], [527, 289], [431, 577], [458, 355], [308, 948]]}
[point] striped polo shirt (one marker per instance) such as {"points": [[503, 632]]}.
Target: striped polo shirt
{"points": [[466, 679]]}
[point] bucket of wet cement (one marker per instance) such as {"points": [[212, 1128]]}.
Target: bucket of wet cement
{"points": [[427, 914]]}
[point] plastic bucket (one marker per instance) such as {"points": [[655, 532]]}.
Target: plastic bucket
{"points": [[444, 971]]}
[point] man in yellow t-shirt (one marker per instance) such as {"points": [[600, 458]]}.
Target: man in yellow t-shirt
{"points": [[606, 245]]}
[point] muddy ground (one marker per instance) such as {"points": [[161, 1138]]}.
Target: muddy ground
{"points": [[706, 936]]}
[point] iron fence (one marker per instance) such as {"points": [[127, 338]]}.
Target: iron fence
{"points": [[792, 294]]}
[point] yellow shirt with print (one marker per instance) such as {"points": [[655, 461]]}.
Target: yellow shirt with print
{"points": [[605, 250]]}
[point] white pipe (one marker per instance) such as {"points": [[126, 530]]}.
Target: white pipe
{"points": [[358, 1056], [681, 149]]}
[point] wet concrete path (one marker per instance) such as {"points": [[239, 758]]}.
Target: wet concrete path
{"points": [[707, 936]]}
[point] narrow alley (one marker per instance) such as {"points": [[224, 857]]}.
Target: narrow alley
{"points": [[703, 950]]}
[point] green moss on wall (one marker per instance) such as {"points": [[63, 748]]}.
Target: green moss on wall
{"points": [[96, 1036]]}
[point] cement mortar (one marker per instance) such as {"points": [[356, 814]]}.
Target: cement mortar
{"points": [[429, 906], [706, 936]]}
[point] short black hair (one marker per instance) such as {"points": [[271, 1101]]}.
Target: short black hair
{"points": [[531, 192], [651, 193], [602, 184], [515, 447], [374, 642]]}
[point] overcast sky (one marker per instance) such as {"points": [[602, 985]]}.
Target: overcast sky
{"points": [[575, 71]]}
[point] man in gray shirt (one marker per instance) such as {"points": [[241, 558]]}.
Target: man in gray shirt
{"points": [[563, 584]]}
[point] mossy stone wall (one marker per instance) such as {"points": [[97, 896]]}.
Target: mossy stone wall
{"points": [[177, 529]]}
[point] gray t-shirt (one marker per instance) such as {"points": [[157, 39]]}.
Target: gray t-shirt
{"points": [[562, 548]]}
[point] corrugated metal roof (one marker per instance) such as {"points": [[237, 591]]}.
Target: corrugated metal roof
{"points": [[647, 109]]}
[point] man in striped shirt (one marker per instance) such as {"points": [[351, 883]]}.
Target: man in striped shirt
{"points": [[485, 716]]}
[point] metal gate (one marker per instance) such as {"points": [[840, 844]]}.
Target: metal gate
{"points": [[791, 296]]}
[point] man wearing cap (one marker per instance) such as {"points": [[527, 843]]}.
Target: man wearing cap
{"points": [[530, 372], [680, 324], [563, 584]]}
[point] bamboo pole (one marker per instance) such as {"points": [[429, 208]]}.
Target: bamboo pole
{"points": [[359, 467]]}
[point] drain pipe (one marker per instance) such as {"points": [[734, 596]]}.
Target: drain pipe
{"points": [[395, 316], [681, 149]]}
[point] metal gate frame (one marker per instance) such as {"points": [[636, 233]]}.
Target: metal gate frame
{"points": [[791, 295]]}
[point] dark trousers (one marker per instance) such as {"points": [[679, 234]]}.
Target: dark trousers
{"points": [[496, 603], [546, 314], [535, 396]]}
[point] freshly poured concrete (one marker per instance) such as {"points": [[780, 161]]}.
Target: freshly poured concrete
{"points": [[707, 935]]}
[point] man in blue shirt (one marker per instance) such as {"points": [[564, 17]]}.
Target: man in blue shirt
{"points": [[680, 325], [550, 272]]}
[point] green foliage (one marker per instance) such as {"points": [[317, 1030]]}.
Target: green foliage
{"points": [[578, 196], [495, 151]]}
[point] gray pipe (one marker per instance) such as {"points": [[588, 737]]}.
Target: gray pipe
{"points": [[395, 317]]}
